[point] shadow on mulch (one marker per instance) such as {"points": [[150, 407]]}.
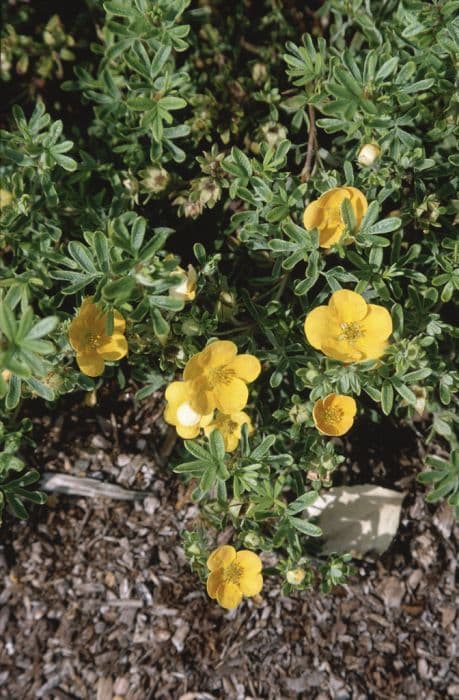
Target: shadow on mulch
{"points": [[98, 601]]}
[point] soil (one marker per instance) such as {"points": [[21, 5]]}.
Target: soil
{"points": [[97, 600]]}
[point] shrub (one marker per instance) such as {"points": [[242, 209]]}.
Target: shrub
{"points": [[283, 169]]}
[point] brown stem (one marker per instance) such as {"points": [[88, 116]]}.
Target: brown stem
{"points": [[312, 143]]}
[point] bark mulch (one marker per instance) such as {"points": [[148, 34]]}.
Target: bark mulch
{"points": [[97, 600]]}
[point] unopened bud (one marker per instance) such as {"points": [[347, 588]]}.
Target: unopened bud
{"points": [[368, 154], [154, 179], [296, 576], [252, 540]]}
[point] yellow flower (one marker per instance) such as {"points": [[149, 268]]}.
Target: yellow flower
{"points": [[218, 377], [349, 329], [334, 415], [6, 374], [88, 337], [324, 213], [230, 427], [233, 575], [5, 198], [186, 288], [368, 154], [178, 411]]}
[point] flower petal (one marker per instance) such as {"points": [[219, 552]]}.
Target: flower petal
{"points": [[347, 306], [246, 367], [119, 324], [359, 203], [202, 400], [251, 584], [115, 347], [193, 367], [318, 325], [187, 432], [214, 581], [77, 333], [342, 351], [313, 215], [177, 392], [250, 562], [90, 364], [370, 349], [377, 323], [346, 403], [221, 557], [331, 235], [231, 397], [218, 353], [229, 595]]}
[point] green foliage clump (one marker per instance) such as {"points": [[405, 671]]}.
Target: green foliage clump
{"points": [[168, 133]]}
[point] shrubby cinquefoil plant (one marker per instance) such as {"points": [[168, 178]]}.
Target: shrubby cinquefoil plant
{"points": [[253, 208]]}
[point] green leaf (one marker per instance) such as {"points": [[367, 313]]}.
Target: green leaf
{"points": [[387, 397], [43, 327], [7, 322], [304, 501], [305, 527], [102, 251], [120, 10], [385, 226], [404, 392], [217, 445], [81, 255]]}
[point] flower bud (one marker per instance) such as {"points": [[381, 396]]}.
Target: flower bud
{"points": [[252, 540], [259, 73], [368, 154], [154, 179], [186, 288], [90, 398], [296, 576], [6, 374]]}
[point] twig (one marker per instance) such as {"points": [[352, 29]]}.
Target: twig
{"points": [[312, 143]]}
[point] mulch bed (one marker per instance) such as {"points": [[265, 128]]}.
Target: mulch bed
{"points": [[97, 600]]}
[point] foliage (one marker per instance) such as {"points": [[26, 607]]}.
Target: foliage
{"points": [[198, 133]]}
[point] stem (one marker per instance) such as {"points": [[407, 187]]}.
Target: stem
{"points": [[312, 143]]}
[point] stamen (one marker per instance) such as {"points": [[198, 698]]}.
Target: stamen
{"points": [[333, 415], [220, 375], [233, 573], [351, 331], [93, 340]]}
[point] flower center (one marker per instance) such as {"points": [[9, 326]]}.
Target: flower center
{"points": [[233, 573], [220, 375], [93, 339], [186, 416], [333, 414], [351, 332]]}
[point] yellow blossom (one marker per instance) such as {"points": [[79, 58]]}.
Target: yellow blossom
{"points": [[230, 427], [88, 337], [324, 213], [178, 411], [186, 288], [5, 198], [6, 374], [368, 154], [233, 575], [334, 415], [348, 329], [219, 376]]}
